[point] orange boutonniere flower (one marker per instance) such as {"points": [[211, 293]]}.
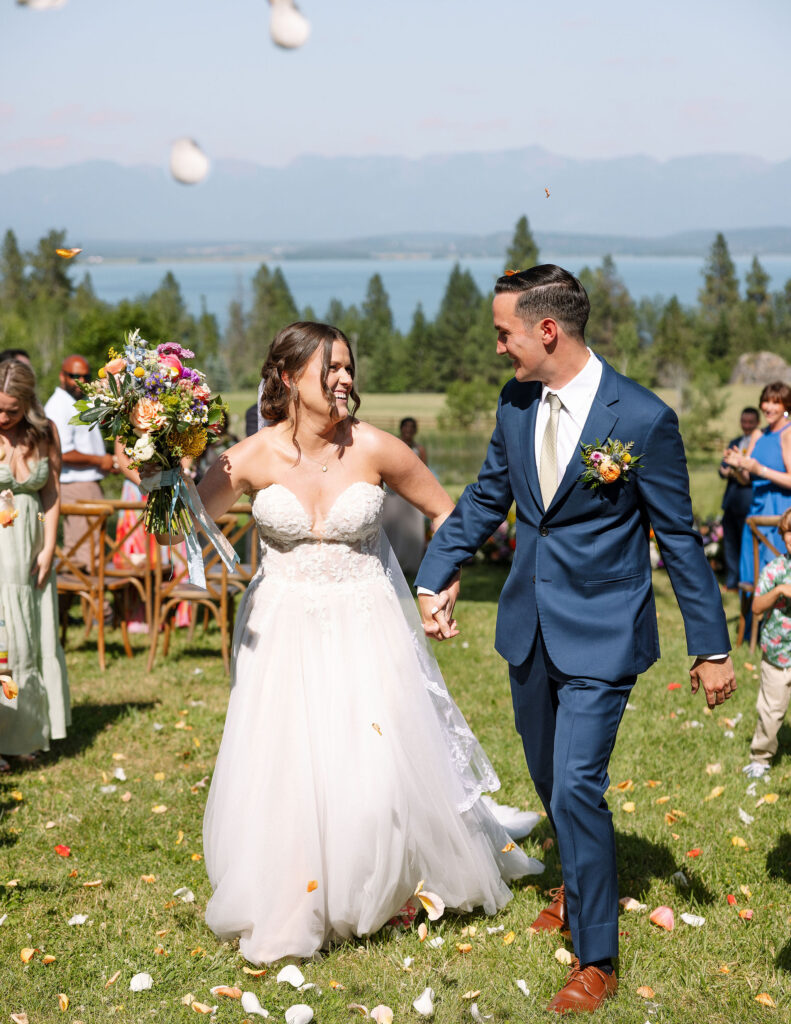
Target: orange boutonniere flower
{"points": [[608, 462]]}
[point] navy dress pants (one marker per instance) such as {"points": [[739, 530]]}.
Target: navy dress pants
{"points": [[568, 728]]}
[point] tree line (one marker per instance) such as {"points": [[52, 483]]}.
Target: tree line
{"points": [[656, 341]]}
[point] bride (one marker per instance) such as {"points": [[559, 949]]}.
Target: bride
{"points": [[346, 774]]}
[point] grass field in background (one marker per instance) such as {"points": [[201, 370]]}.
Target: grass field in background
{"points": [[711, 974]]}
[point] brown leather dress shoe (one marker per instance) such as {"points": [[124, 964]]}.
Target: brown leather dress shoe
{"points": [[553, 917], [585, 990]]}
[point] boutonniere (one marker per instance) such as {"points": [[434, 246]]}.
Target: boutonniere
{"points": [[608, 462]]}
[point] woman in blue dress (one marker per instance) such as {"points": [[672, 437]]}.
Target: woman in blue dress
{"points": [[769, 464]]}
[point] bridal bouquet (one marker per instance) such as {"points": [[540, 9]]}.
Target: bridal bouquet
{"points": [[162, 411]]}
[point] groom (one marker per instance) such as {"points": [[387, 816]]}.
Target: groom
{"points": [[576, 618]]}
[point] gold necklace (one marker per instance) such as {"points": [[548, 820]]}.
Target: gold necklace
{"points": [[324, 465]]}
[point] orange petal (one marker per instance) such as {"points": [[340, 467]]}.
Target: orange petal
{"points": [[95, 884], [746, 915], [662, 917], [63, 1001], [27, 954], [337, 985], [717, 791], [422, 931], [202, 1007], [464, 947], [67, 254], [148, 878], [376, 728], [646, 992], [694, 853], [765, 999], [472, 994], [313, 885], [255, 974], [662, 799], [625, 787], [48, 959], [112, 980], [508, 847], [508, 938], [63, 851], [229, 991], [629, 807], [771, 798], [652, 783]]}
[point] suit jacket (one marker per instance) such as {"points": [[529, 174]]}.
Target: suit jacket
{"points": [[581, 567]]}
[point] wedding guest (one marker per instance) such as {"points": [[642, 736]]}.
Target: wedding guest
{"points": [[404, 525], [29, 468], [738, 496], [768, 462], [85, 459], [251, 420], [407, 430], [773, 595], [16, 353]]}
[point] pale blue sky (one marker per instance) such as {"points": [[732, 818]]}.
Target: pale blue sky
{"points": [[120, 79]]}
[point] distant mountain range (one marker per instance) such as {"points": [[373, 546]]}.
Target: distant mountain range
{"points": [[465, 203]]}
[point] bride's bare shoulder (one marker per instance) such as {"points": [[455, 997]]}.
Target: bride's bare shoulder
{"points": [[250, 459]]}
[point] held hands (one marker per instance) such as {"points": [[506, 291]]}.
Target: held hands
{"points": [[437, 611], [717, 678]]}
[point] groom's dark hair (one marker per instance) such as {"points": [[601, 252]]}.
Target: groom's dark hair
{"points": [[548, 290]]}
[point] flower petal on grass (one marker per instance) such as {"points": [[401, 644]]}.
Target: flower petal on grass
{"points": [[435, 943], [662, 917], [717, 791], [694, 853], [382, 1014], [112, 980], [358, 1008], [738, 841], [185, 895], [48, 959], [745, 891], [202, 1007], [63, 851], [141, 982], [680, 879], [629, 903], [424, 1004], [78, 919], [521, 984], [746, 915], [299, 1013], [95, 884], [20, 1018], [715, 768], [629, 807], [694, 920], [229, 991], [646, 992], [508, 938], [159, 809], [745, 818], [27, 954], [422, 931], [765, 999], [464, 947], [508, 847], [563, 956], [433, 905], [250, 1004], [255, 974], [771, 798], [476, 1014], [473, 993], [291, 975], [626, 786]]}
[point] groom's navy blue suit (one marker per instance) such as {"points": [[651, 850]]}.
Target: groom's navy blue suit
{"points": [[576, 618]]}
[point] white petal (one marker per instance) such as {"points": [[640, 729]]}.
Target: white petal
{"points": [[107, 789], [748, 819], [382, 1014], [185, 895], [292, 975], [494, 931], [141, 982], [3, 918], [288, 27], [250, 1004], [522, 986], [78, 919], [299, 1013], [437, 942], [693, 919], [42, 5], [189, 165], [476, 1014], [680, 879], [119, 774], [408, 960], [424, 1004], [433, 905]]}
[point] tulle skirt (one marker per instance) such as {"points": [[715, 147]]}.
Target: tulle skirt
{"points": [[335, 791]]}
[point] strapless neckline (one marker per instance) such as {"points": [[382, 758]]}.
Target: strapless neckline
{"points": [[306, 515]]}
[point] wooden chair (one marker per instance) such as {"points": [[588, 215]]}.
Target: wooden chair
{"points": [[240, 528], [133, 571], [76, 579], [747, 589], [172, 586]]}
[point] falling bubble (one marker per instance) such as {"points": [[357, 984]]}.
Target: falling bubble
{"points": [[189, 165], [288, 27]]}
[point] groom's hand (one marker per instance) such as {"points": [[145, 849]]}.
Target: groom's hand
{"points": [[717, 678], [436, 610]]}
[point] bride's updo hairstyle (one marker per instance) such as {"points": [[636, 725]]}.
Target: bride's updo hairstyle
{"points": [[288, 355], [18, 381]]}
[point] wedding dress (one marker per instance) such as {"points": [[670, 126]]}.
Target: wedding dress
{"points": [[346, 774]]}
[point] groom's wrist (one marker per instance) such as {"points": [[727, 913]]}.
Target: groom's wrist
{"points": [[425, 590]]}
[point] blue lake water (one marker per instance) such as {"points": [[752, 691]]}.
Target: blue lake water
{"points": [[408, 282]]}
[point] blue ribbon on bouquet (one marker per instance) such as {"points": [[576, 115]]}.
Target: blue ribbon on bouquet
{"points": [[185, 489]]}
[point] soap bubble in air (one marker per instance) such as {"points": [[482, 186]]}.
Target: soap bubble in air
{"points": [[41, 5], [188, 163], [288, 26]]}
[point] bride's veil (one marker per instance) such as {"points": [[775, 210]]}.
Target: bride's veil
{"points": [[467, 756]]}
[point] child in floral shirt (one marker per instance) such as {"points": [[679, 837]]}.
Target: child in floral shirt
{"points": [[773, 595]]}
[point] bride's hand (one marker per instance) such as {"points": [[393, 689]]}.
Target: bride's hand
{"points": [[437, 612]]}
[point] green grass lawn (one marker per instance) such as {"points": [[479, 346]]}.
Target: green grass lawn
{"points": [[163, 730]]}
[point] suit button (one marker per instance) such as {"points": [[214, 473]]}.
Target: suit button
{"points": [[544, 531]]}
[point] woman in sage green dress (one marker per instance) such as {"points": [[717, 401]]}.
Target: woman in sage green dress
{"points": [[30, 468]]}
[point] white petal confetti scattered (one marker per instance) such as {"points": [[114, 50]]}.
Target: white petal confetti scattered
{"points": [[437, 942], [382, 1014], [250, 1004], [728, 734], [197, 672], [424, 1004], [476, 1014], [292, 975], [746, 818], [288, 26], [629, 903], [189, 165], [119, 774], [465, 645], [630, 706], [42, 5], [158, 726], [751, 791], [680, 879], [107, 789], [408, 960], [78, 919], [694, 920], [522, 986], [185, 895], [308, 986], [563, 956], [141, 982], [433, 905], [299, 1013], [3, 919], [494, 931]]}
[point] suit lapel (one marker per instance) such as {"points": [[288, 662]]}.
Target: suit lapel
{"points": [[599, 425], [527, 436]]}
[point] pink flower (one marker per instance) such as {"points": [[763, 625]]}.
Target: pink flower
{"points": [[172, 363], [201, 392], [146, 415]]}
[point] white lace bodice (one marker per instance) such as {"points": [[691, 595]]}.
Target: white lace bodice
{"points": [[346, 551]]}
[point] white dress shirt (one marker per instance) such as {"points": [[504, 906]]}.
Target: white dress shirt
{"points": [[576, 400], [74, 438]]}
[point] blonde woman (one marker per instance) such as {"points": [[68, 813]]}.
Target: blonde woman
{"points": [[30, 468]]}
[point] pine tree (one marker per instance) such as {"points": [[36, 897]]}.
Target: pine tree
{"points": [[168, 312], [523, 252], [13, 285], [273, 306], [243, 358], [757, 285], [458, 314], [611, 305], [720, 289], [377, 343], [50, 284]]}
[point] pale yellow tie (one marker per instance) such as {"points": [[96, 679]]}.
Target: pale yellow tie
{"points": [[548, 465]]}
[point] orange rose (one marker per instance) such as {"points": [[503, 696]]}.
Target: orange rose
{"points": [[146, 415], [115, 365], [609, 470]]}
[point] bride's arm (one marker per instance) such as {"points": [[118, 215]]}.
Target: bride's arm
{"points": [[405, 473]]}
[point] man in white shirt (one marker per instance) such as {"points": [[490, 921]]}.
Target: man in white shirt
{"points": [[576, 619], [85, 458]]}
